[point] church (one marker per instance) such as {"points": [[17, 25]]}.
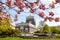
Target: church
{"points": [[29, 26]]}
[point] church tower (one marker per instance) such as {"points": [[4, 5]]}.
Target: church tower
{"points": [[30, 19]]}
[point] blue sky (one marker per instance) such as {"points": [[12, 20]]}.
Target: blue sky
{"points": [[22, 15]]}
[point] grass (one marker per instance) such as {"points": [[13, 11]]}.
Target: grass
{"points": [[18, 38]]}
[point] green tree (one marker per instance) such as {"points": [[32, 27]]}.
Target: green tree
{"points": [[54, 29], [6, 28], [46, 29], [5, 24]]}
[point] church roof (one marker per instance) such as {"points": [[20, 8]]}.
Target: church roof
{"points": [[22, 24], [26, 25], [30, 17]]}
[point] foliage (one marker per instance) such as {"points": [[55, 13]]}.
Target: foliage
{"points": [[46, 29], [6, 26], [16, 32], [54, 29], [34, 7], [37, 32], [59, 31]]}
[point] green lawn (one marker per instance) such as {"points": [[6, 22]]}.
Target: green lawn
{"points": [[17, 38]]}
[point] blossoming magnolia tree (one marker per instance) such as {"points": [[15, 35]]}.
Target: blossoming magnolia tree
{"points": [[33, 6]]}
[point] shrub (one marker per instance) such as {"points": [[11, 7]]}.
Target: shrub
{"points": [[37, 32], [54, 30], [46, 29]]}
